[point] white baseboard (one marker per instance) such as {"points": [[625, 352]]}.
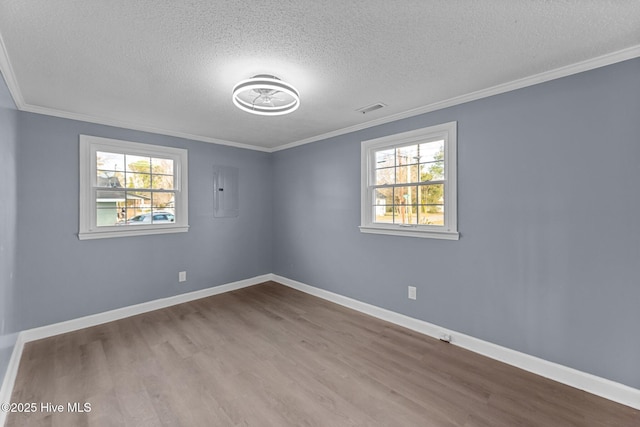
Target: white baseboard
{"points": [[105, 317], [602, 387], [590, 383], [132, 310], [10, 376]]}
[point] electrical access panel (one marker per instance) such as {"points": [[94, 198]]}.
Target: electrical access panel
{"points": [[225, 192]]}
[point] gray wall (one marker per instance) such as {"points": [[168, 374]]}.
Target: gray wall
{"points": [[547, 263], [549, 257], [61, 277], [8, 216]]}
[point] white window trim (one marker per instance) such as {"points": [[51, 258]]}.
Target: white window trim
{"points": [[88, 147], [446, 131]]}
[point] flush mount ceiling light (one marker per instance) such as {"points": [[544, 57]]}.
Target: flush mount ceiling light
{"points": [[266, 95]]}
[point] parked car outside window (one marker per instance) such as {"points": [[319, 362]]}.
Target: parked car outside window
{"points": [[152, 218]]}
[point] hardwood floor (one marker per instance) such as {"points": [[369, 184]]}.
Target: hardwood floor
{"points": [[269, 355]]}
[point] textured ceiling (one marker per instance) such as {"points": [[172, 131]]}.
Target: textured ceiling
{"points": [[169, 66]]}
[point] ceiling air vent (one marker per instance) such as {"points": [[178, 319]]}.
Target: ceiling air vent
{"points": [[370, 108]]}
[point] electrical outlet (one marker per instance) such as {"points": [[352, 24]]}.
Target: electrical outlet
{"points": [[412, 292], [182, 276]]}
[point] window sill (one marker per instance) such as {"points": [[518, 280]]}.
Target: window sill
{"points": [[89, 235], [411, 232]]}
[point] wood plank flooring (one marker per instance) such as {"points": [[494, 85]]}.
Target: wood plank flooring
{"points": [[269, 355]]}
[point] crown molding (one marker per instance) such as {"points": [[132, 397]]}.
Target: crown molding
{"points": [[135, 126], [579, 67], [600, 61], [9, 76]]}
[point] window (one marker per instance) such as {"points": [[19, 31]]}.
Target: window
{"points": [[409, 184], [131, 189]]}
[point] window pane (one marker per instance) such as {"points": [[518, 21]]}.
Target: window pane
{"points": [[108, 207], [162, 166], [162, 182], [160, 216], [406, 174], [384, 214], [431, 214], [406, 214], [431, 194], [385, 158], [407, 155], [405, 195], [140, 219], [138, 180], [106, 214], [163, 200], [431, 151], [405, 199], [383, 196], [109, 169], [383, 205], [109, 178], [431, 204], [433, 171], [110, 161], [385, 176], [138, 164], [139, 199], [132, 211]]}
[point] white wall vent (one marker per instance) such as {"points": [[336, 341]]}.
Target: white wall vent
{"points": [[370, 108]]}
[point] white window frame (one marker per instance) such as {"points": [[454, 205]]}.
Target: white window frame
{"points": [[449, 231], [89, 145]]}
